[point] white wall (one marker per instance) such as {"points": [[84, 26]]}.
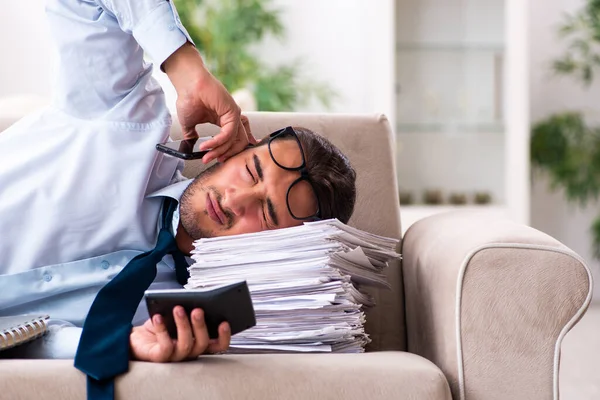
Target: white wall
{"points": [[451, 21], [449, 62], [549, 211], [344, 42], [450, 84], [26, 51], [326, 35], [335, 39]]}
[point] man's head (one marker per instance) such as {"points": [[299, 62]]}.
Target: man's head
{"points": [[249, 192]]}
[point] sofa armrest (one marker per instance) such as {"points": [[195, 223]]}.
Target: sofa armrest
{"points": [[489, 302]]}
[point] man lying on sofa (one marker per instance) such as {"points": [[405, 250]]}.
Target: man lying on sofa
{"points": [[84, 190]]}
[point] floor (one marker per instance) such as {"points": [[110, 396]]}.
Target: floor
{"points": [[580, 361]]}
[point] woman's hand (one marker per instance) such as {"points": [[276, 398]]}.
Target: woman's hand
{"points": [[202, 98], [151, 341]]}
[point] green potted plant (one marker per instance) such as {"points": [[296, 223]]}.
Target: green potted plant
{"points": [[564, 145], [226, 32]]}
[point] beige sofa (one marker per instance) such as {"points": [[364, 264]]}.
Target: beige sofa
{"points": [[478, 309]]}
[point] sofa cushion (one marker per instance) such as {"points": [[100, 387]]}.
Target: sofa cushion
{"points": [[381, 375], [368, 143]]}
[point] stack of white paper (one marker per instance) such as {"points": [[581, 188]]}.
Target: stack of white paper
{"points": [[305, 283]]}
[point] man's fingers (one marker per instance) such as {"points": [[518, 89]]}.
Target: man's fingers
{"points": [[228, 133], [230, 122], [238, 144], [189, 132], [241, 141], [164, 350], [185, 337], [200, 333], [216, 142], [225, 144], [246, 125], [223, 341], [229, 149], [216, 153], [149, 325], [233, 150]]}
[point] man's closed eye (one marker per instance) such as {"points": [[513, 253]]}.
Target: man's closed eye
{"points": [[263, 203], [251, 175]]}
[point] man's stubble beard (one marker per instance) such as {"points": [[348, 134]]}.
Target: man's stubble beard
{"points": [[187, 217]]}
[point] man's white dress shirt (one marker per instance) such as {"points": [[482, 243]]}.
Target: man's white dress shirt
{"points": [[81, 183]]}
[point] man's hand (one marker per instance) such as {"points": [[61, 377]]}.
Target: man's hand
{"points": [[202, 98], [151, 341]]}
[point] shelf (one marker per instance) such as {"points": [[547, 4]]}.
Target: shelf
{"points": [[410, 214], [431, 209], [450, 127], [455, 47]]}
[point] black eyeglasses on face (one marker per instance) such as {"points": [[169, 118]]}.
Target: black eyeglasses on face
{"points": [[282, 161]]}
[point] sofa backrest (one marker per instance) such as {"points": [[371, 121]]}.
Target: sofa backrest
{"points": [[368, 143]]}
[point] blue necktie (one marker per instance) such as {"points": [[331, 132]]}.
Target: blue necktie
{"points": [[103, 351]]}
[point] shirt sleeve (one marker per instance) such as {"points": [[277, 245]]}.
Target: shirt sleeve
{"points": [[155, 24], [101, 45]]}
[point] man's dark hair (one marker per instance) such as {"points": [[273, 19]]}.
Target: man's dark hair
{"points": [[330, 172]]}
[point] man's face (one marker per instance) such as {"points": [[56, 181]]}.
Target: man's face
{"points": [[247, 194]]}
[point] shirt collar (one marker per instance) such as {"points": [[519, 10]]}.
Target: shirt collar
{"points": [[173, 191]]}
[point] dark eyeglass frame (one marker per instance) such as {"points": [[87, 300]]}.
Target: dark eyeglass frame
{"points": [[289, 131]]}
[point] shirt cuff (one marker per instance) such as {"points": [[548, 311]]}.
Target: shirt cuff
{"points": [[161, 33]]}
